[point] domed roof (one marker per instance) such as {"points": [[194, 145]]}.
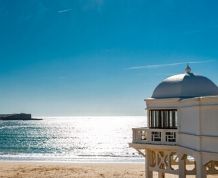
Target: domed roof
{"points": [[187, 85]]}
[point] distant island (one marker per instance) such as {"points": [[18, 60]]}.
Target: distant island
{"points": [[21, 116]]}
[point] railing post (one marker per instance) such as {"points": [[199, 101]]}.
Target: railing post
{"points": [[148, 135], [162, 136], [133, 135], [176, 137]]}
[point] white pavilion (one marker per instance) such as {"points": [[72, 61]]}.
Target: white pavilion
{"points": [[181, 136]]}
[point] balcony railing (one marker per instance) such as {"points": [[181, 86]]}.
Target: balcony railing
{"points": [[154, 136]]}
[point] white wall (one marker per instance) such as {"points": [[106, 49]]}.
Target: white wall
{"points": [[209, 144], [189, 141], [209, 120], [198, 119], [188, 118]]}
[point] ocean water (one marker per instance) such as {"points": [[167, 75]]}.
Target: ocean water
{"points": [[72, 139]]}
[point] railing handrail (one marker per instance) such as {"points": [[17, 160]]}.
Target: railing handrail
{"points": [[156, 129], [140, 128], [148, 128]]}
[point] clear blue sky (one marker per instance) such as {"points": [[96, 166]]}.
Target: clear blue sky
{"points": [[77, 57]]}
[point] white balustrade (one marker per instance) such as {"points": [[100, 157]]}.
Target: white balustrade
{"points": [[154, 136]]}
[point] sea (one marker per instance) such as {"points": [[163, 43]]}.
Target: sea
{"points": [[70, 139]]}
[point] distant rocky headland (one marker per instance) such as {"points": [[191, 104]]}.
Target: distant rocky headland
{"points": [[21, 116]]}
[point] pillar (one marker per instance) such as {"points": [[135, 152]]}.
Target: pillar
{"points": [[200, 168], [182, 166], [161, 175], [148, 173]]}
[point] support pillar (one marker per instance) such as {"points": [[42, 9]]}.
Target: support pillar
{"points": [[200, 168], [161, 175], [182, 167], [148, 173]]}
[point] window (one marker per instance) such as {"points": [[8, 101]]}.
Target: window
{"points": [[163, 119]]}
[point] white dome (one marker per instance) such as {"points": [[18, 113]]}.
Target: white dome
{"points": [[187, 85]]}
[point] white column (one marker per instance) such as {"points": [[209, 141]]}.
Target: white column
{"points": [[182, 167], [148, 173], [161, 175], [163, 137], [200, 168], [148, 135]]}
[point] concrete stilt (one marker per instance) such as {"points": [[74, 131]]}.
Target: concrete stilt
{"points": [[200, 168], [182, 167], [161, 175], [148, 173]]}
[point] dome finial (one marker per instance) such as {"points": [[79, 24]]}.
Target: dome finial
{"points": [[188, 69]]}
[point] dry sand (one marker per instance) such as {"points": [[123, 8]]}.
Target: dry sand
{"points": [[68, 170], [72, 170]]}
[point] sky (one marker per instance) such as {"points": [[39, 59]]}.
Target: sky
{"points": [[100, 57]]}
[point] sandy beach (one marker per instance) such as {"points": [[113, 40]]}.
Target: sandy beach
{"points": [[68, 170], [74, 170]]}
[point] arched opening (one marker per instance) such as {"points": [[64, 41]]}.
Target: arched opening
{"points": [[174, 161], [190, 164], [212, 168]]}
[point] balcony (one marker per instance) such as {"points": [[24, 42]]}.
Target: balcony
{"points": [[154, 136]]}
